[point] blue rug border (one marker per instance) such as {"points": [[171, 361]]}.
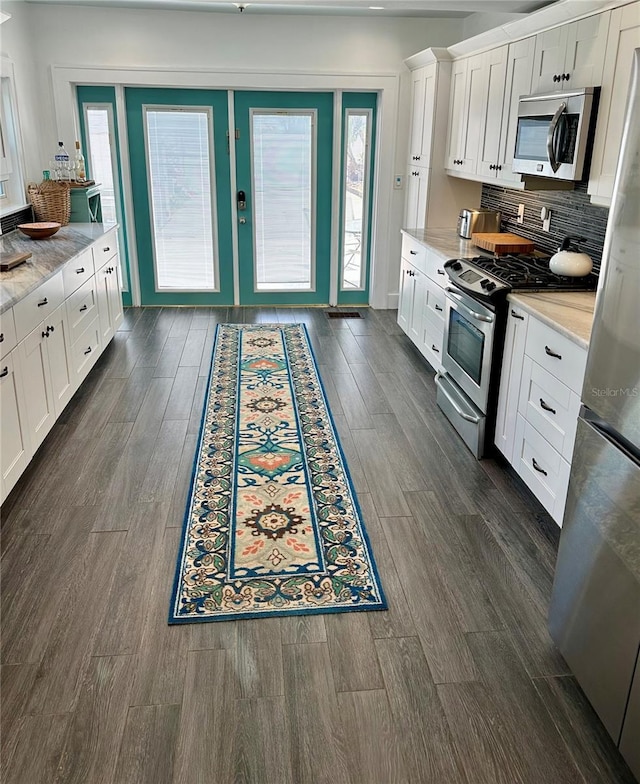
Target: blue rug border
{"points": [[174, 620]]}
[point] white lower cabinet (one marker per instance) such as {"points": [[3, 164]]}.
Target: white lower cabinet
{"points": [[15, 449], [48, 344], [538, 406], [421, 303]]}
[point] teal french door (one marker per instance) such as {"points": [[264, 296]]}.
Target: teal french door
{"points": [[180, 176], [284, 153]]}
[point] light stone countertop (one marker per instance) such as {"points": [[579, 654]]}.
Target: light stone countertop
{"points": [[446, 243], [568, 312], [49, 256]]}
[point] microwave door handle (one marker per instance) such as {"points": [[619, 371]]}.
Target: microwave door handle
{"points": [[553, 127], [473, 313]]}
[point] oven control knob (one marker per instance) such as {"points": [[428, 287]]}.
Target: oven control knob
{"points": [[485, 283], [490, 285], [456, 266]]}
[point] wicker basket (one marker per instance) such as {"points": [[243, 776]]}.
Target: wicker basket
{"points": [[51, 201]]}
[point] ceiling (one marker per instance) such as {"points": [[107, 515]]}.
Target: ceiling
{"points": [[421, 8]]}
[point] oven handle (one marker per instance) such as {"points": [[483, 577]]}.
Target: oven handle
{"points": [[456, 407], [473, 313], [553, 127]]}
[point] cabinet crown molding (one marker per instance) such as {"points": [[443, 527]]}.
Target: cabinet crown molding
{"points": [[551, 16]]}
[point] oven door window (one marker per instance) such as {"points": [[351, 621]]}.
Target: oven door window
{"points": [[466, 345]]}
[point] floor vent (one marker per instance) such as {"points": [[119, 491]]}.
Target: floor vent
{"points": [[343, 314]]}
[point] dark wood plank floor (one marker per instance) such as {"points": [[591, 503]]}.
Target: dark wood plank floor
{"points": [[457, 683]]}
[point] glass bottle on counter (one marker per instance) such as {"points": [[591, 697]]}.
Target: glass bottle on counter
{"points": [[79, 170], [63, 169]]}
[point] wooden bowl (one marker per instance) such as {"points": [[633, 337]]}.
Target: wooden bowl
{"points": [[39, 231]]}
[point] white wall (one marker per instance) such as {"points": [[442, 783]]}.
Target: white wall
{"points": [[43, 36]]}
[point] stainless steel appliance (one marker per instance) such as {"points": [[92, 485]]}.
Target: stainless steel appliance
{"points": [[478, 220], [553, 134], [595, 607], [475, 321]]}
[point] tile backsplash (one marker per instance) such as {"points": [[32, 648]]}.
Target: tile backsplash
{"points": [[572, 214]]}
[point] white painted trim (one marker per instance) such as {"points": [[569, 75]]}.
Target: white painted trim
{"points": [[392, 301], [334, 261], [387, 85], [125, 163], [427, 57]]}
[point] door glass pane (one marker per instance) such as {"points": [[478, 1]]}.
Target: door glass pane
{"points": [[283, 154], [180, 189], [356, 166]]}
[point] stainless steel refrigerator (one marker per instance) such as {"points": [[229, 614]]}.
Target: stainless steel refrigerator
{"points": [[594, 616]]}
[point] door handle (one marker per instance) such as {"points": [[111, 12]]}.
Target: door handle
{"points": [[241, 200]]}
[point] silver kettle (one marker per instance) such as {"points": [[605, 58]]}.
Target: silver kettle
{"points": [[570, 260]]}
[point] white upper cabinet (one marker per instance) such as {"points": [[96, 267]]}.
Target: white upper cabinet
{"points": [[416, 200], [518, 82], [492, 118], [571, 55], [469, 80], [623, 39], [423, 101]]}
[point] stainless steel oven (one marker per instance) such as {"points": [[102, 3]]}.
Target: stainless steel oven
{"points": [[468, 351]]}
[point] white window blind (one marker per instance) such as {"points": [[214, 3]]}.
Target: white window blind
{"points": [[180, 169]]}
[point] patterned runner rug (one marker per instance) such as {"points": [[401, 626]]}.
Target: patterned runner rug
{"points": [[272, 525]]}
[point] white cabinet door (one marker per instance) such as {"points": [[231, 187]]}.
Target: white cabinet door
{"points": [[116, 310], [38, 393], [457, 97], [518, 82], [15, 450], [511, 375], [623, 39], [475, 100], [405, 295], [418, 301], [58, 345], [586, 47], [571, 55], [423, 102], [416, 199], [548, 64], [104, 282], [490, 128]]}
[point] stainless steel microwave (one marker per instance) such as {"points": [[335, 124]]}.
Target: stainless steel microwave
{"points": [[553, 134]]}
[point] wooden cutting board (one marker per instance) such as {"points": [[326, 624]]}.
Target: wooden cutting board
{"points": [[8, 262], [502, 242]]}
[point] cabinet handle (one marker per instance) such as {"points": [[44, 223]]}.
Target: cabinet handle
{"points": [[546, 406], [537, 467], [566, 77], [45, 301], [80, 271], [499, 167], [5, 371], [556, 77], [517, 315], [45, 334], [413, 252], [106, 250], [438, 307], [551, 353], [440, 272], [433, 348], [83, 308], [88, 351], [1, 337], [51, 329]]}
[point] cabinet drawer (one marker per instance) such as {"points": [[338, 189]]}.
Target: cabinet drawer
{"points": [[556, 354], [435, 268], [8, 337], [434, 307], [550, 406], [35, 307], [414, 252], [82, 308], [77, 271], [104, 249], [85, 350], [542, 468]]}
